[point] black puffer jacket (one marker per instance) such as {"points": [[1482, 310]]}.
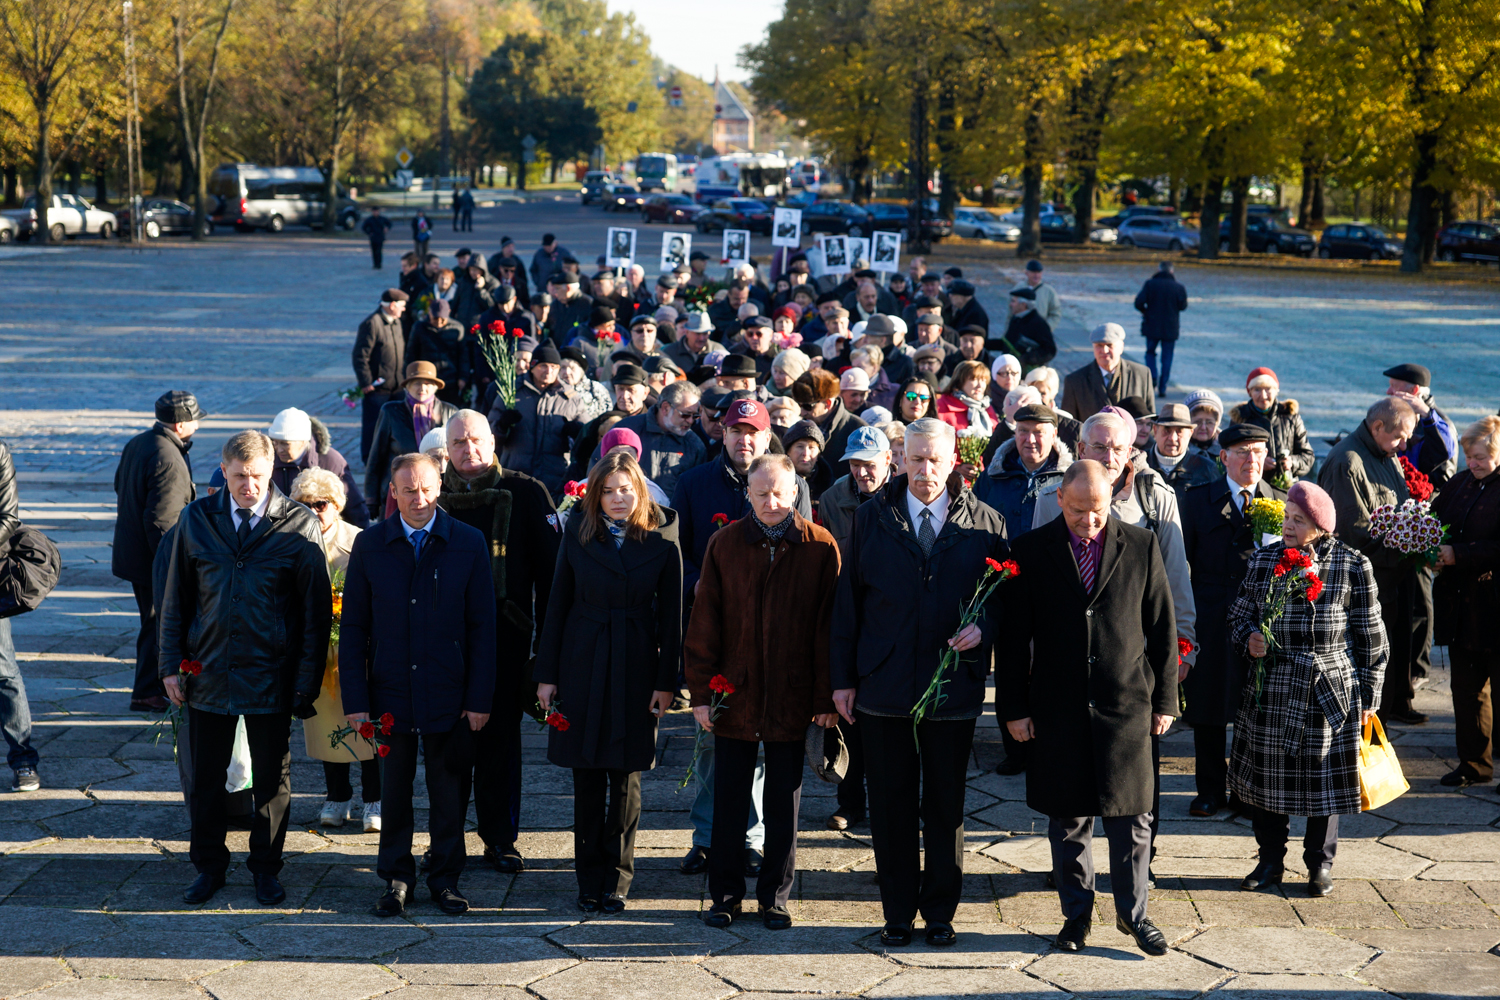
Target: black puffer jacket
{"points": [[257, 617], [474, 297], [1288, 433]]}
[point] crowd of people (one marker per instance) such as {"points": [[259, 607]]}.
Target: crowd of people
{"points": [[822, 539]]}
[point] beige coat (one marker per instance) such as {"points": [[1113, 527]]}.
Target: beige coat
{"points": [[338, 541]]}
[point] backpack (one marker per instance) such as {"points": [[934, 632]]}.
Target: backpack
{"points": [[29, 570]]}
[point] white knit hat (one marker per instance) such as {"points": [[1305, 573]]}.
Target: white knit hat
{"points": [[291, 424]]}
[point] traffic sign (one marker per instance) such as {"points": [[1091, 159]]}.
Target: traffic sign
{"points": [[676, 97], [529, 142], [404, 157]]}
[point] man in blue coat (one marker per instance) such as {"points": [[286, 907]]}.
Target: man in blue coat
{"points": [[417, 643], [1160, 302]]}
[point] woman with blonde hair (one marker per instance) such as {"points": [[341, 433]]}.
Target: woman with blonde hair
{"points": [[321, 492], [607, 661]]}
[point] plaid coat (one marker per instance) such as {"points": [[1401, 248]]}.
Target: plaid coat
{"points": [[1298, 753]]}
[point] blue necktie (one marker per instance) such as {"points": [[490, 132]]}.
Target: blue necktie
{"points": [[417, 538]]}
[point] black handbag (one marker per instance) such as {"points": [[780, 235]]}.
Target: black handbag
{"points": [[28, 571]]}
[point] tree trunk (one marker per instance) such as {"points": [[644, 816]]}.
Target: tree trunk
{"points": [[1421, 215], [101, 184], [1030, 243], [947, 142], [1304, 199], [12, 186], [43, 172], [520, 174], [1208, 219], [920, 166], [1317, 200], [1239, 192]]}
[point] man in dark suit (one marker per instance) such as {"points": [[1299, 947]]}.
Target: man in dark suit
{"points": [[417, 643], [1218, 539], [1091, 676], [1160, 302], [1109, 379], [912, 563]]}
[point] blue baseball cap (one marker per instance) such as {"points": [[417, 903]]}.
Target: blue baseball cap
{"points": [[866, 444]]}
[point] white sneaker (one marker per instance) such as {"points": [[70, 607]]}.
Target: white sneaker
{"points": [[335, 813], [372, 817]]}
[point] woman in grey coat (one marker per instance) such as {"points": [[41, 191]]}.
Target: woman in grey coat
{"points": [[1296, 747]]}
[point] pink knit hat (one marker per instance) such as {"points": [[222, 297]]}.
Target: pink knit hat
{"points": [[1315, 502], [617, 436]]}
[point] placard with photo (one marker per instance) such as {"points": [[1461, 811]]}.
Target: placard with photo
{"points": [[621, 247], [786, 227], [835, 254], [859, 250], [887, 252], [736, 246], [675, 248]]}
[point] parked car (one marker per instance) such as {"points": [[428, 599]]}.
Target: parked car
{"points": [[272, 198], [8, 229], [833, 216], [623, 198], [1362, 242], [1134, 211], [801, 199], [888, 217], [594, 183], [735, 213], [1479, 241], [1057, 227], [1104, 234], [673, 209], [161, 215], [1018, 216], [1158, 232], [70, 215], [980, 224], [1266, 233]]}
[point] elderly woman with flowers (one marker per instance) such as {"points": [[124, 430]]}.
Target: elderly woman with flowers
{"points": [[1309, 617]]}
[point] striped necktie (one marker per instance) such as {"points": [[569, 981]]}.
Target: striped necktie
{"points": [[1086, 566]]}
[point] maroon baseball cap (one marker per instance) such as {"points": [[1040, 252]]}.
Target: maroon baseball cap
{"points": [[748, 411]]}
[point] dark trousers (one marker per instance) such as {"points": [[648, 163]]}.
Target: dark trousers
{"points": [[781, 798], [851, 791], [369, 413], [1167, 348], [1475, 681], [377, 253], [210, 739], [1421, 625], [448, 798], [147, 683], [917, 793], [339, 788], [1319, 844], [1397, 596], [237, 805], [606, 815], [1072, 839], [1155, 791], [466, 220], [497, 777], [1210, 770], [1015, 750]]}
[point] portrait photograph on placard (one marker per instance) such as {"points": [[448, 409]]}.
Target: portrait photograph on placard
{"points": [[786, 227], [835, 254], [887, 256], [859, 250], [675, 248], [736, 246], [621, 245]]}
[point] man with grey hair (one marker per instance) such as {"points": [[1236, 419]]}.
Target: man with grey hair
{"points": [[245, 617], [916, 554], [1109, 379], [668, 445], [694, 341]]}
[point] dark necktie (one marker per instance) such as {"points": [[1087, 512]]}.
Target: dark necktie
{"points": [[417, 538], [926, 536], [1245, 504], [1086, 566], [243, 531]]}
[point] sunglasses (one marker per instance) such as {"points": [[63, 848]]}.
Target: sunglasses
{"points": [[320, 505], [914, 396]]}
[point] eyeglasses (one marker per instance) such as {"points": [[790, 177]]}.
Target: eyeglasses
{"points": [[688, 414], [914, 396], [320, 505]]}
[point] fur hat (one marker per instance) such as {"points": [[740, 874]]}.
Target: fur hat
{"points": [[815, 386]]}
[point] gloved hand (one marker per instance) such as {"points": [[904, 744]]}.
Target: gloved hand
{"points": [[302, 707], [507, 423]]}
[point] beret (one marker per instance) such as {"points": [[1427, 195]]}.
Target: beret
{"points": [[1240, 433]]}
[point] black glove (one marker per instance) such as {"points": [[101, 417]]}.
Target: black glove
{"points": [[302, 707], [508, 422]]}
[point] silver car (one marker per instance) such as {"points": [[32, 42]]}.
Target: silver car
{"points": [[1157, 233], [70, 215], [980, 224]]}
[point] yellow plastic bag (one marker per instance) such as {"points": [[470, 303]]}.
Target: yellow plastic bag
{"points": [[1380, 777]]}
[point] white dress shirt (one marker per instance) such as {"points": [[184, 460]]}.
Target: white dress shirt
{"points": [[939, 508], [1234, 494], [256, 513]]}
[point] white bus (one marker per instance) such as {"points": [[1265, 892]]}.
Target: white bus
{"points": [[753, 175], [656, 172]]}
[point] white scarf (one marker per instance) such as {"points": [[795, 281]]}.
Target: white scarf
{"points": [[979, 418]]}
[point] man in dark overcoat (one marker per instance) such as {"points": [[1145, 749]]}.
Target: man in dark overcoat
{"points": [[1160, 302], [379, 358], [515, 514], [1109, 379], [417, 642], [916, 554], [1218, 539], [1091, 675], [153, 483]]}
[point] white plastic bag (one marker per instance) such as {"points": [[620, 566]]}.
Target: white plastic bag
{"points": [[237, 779]]}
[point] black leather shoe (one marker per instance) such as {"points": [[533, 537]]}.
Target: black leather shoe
{"points": [[1410, 717], [203, 888], [268, 890], [1011, 766], [1147, 937], [612, 903], [753, 861], [589, 904], [1460, 777], [1204, 805], [424, 863], [696, 862], [1320, 883], [1050, 881], [895, 935], [506, 860], [1075, 933], [776, 918], [450, 901], [843, 819], [393, 902], [723, 916], [941, 935], [1265, 875]]}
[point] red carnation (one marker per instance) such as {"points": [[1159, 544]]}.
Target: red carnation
{"points": [[994, 564], [387, 720], [573, 488], [721, 684], [1314, 586], [1417, 483], [1183, 649], [367, 730], [558, 721], [1010, 566], [497, 327], [383, 749], [474, 329], [720, 519], [191, 667], [1279, 569]]}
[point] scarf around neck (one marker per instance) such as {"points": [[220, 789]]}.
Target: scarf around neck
{"points": [[979, 418], [423, 415], [616, 530]]}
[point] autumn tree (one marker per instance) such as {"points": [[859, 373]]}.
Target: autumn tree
{"points": [[198, 25]]}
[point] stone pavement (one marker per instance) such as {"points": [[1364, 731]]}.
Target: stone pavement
{"points": [[94, 864]]}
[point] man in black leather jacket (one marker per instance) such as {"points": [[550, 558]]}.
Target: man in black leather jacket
{"points": [[245, 618]]}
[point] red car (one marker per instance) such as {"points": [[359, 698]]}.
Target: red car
{"points": [[673, 209]]}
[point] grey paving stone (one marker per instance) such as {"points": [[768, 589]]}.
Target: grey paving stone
{"points": [[79, 772], [21, 975], [1427, 939], [633, 981], [1107, 969], [1278, 950], [17, 835], [806, 959], [153, 782], [332, 936], [455, 960], [44, 803], [459, 993], [1015, 817], [121, 989], [1448, 843], [980, 946], [1195, 840], [1287, 987], [1463, 871], [153, 954], [971, 984], [685, 938], [1435, 977], [32, 930], [271, 980], [1446, 809], [114, 820]]}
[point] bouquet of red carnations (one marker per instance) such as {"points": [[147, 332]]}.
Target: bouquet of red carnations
{"points": [[1291, 577], [1409, 529], [995, 573]]}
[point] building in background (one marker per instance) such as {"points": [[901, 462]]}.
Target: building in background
{"points": [[734, 125]]}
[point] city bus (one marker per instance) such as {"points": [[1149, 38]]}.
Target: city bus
{"points": [[754, 175], [656, 172]]}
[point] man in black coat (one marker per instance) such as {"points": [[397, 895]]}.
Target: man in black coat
{"points": [[966, 308], [1108, 379], [245, 617], [1218, 540], [153, 483], [915, 555], [515, 514], [1029, 337], [417, 645], [1160, 302], [1091, 675], [376, 227], [508, 269], [379, 360]]}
